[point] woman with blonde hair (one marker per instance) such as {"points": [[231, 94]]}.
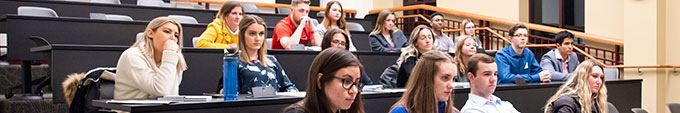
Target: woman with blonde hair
{"points": [[223, 31], [256, 68], [430, 88], [421, 39], [466, 47], [468, 29], [334, 18], [585, 92], [153, 65], [385, 37]]}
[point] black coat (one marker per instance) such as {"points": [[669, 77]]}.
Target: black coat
{"points": [[570, 104]]}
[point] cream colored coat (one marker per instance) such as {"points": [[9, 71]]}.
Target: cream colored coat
{"points": [[139, 78]]}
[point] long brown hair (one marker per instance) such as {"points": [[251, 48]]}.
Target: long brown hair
{"points": [[462, 26], [146, 43], [380, 22], [328, 37], [578, 85], [226, 9], [412, 50], [327, 19], [462, 67], [262, 53], [419, 96], [327, 63]]}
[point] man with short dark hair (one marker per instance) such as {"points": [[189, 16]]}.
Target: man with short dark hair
{"points": [[442, 42], [482, 73], [516, 61], [561, 61]]}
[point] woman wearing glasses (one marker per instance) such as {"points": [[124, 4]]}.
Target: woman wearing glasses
{"points": [[335, 38], [339, 39], [430, 91], [468, 27], [332, 88]]}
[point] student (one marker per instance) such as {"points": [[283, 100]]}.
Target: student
{"points": [[223, 31], [385, 37], [517, 61], [421, 41], [256, 68], [334, 84], [153, 65], [468, 27], [482, 73], [337, 38], [334, 18], [585, 92], [430, 87], [561, 61], [444, 43], [296, 28], [466, 47]]}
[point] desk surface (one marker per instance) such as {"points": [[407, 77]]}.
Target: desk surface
{"points": [[624, 94], [77, 30], [204, 64], [82, 9]]}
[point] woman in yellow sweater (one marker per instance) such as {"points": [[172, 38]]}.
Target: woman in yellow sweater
{"points": [[223, 31]]}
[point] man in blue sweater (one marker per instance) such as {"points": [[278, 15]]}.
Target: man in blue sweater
{"points": [[516, 61]]}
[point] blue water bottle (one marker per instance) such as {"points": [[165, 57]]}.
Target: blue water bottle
{"points": [[230, 76]]}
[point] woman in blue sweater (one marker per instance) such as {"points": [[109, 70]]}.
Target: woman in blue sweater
{"points": [[431, 90]]}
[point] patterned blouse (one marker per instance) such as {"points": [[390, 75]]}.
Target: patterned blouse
{"points": [[256, 75]]}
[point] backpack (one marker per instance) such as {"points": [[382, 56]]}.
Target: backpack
{"points": [[97, 84]]}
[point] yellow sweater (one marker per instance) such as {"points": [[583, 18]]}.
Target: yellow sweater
{"points": [[217, 35], [137, 77]]}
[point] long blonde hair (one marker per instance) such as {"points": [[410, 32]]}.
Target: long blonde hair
{"points": [[412, 50], [146, 43], [327, 19], [462, 27], [462, 66], [578, 85], [242, 27], [419, 96], [380, 22]]}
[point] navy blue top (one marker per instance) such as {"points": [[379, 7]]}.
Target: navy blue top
{"points": [[511, 66], [256, 75], [379, 43], [401, 109]]}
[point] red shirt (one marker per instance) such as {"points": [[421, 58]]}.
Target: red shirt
{"points": [[286, 28]]}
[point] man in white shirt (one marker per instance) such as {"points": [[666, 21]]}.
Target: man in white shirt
{"points": [[482, 73]]}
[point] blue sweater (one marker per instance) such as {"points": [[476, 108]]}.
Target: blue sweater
{"points": [[401, 109], [511, 66]]}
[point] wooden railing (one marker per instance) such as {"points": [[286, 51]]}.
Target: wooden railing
{"points": [[613, 57], [495, 39], [593, 37], [351, 12], [408, 22]]}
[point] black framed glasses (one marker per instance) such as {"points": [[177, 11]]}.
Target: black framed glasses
{"points": [[341, 43], [348, 83]]}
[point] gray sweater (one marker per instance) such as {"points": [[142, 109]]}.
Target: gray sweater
{"points": [[550, 62]]}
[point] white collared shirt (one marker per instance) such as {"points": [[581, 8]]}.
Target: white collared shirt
{"points": [[478, 104]]}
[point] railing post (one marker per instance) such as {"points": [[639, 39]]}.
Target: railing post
{"points": [[616, 54]]}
